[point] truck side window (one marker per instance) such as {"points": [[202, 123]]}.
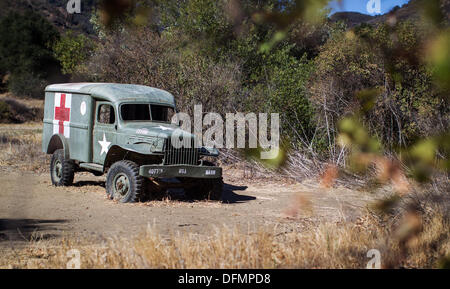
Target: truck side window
{"points": [[106, 114]]}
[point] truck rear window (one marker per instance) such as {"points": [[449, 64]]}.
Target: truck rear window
{"points": [[146, 112]]}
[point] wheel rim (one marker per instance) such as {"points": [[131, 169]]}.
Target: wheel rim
{"points": [[57, 170], [121, 186]]}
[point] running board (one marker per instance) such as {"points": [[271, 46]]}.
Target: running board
{"points": [[92, 167]]}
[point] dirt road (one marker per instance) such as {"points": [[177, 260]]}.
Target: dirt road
{"points": [[30, 207]]}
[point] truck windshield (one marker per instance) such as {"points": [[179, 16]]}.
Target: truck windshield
{"points": [[146, 112]]}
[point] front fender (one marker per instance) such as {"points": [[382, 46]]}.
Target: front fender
{"points": [[141, 148], [119, 152]]}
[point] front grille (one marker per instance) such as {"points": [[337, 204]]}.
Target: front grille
{"points": [[180, 156]]}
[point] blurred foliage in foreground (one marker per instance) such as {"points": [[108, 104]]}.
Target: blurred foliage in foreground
{"points": [[286, 57], [372, 88], [373, 98]]}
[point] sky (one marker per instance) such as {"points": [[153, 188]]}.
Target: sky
{"points": [[361, 6]]}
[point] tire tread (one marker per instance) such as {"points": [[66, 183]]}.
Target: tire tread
{"points": [[68, 169], [137, 182]]}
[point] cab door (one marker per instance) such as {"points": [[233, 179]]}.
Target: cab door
{"points": [[105, 131]]}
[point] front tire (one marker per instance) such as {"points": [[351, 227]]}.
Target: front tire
{"points": [[123, 182], [62, 170]]}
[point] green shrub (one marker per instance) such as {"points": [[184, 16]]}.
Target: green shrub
{"points": [[26, 53], [25, 44], [406, 106], [71, 51], [27, 85], [283, 89]]}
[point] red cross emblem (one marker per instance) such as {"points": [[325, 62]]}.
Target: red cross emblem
{"points": [[62, 114]]}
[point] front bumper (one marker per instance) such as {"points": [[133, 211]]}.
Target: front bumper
{"points": [[180, 171]]}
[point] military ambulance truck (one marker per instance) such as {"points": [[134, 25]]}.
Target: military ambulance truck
{"points": [[125, 132]]}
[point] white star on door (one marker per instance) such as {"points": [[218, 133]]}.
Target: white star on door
{"points": [[105, 145]]}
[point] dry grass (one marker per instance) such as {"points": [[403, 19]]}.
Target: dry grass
{"points": [[413, 241], [20, 147], [20, 144], [325, 246]]}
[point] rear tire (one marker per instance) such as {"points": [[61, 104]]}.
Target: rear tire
{"points": [[123, 182], [62, 170]]}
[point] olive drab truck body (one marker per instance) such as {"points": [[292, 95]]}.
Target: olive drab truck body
{"points": [[123, 130]]}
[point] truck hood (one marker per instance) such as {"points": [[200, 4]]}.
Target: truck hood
{"points": [[161, 130], [140, 135]]}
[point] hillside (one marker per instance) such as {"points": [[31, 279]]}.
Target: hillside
{"points": [[351, 18], [409, 11], [54, 11]]}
